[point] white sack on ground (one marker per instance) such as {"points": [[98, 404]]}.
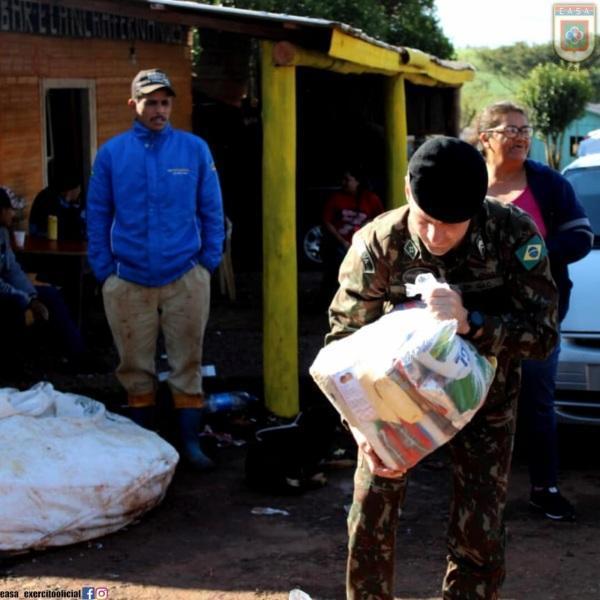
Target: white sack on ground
{"points": [[71, 471], [408, 382]]}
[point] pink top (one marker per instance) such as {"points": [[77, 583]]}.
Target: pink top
{"points": [[527, 202]]}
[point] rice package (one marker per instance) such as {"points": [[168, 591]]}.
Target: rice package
{"points": [[408, 382]]}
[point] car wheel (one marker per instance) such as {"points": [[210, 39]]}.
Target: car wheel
{"points": [[311, 245]]}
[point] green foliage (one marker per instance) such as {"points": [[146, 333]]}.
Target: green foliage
{"points": [[555, 97], [410, 23], [414, 23], [486, 88], [196, 49], [520, 59], [501, 71], [517, 60]]}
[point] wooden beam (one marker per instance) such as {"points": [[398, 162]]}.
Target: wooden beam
{"points": [[396, 140], [420, 79], [363, 52], [440, 74], [280, 277], [287, 54]]}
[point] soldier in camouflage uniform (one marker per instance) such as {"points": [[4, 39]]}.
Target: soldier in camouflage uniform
{"points": [[504, 300]]}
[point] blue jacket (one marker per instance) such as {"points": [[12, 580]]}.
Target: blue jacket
{"points": [[569, 233], [154, 207]]}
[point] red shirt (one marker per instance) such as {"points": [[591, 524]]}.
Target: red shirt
{"points": [[348, 214]]}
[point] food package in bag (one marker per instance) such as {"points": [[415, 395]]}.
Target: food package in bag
{"points": [[71, 471], [408, 382]]}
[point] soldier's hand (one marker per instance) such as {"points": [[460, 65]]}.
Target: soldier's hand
{"points": [[446, 304], [39, 310], [375, 464]]}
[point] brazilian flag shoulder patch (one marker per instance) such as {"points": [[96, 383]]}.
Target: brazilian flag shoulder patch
{"points": [[531, 252]]}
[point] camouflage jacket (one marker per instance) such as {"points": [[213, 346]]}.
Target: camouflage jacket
{"points": [[501, 268]]}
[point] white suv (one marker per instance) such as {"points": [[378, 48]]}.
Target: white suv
{"points": [[578, 379]]}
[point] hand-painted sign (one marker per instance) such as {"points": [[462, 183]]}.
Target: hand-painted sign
{"points": [[44, 18]]}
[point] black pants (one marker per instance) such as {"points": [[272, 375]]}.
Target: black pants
{"points": [[60, 327]]}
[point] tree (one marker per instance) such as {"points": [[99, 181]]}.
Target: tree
{"points": [[414, 23], [410, 23], [518, 60], [555, 96]]}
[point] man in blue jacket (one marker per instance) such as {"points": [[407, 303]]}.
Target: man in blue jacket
{"points": [[155, 230]]}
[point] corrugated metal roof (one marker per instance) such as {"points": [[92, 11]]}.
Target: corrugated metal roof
{"points": [[218, 10]]}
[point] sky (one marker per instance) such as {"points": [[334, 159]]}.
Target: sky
{"points": [[494, 23]]}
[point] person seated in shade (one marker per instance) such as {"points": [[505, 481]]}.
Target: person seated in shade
{"points": [[22, 305], [62, 199], [17, 202], [344, 213]]}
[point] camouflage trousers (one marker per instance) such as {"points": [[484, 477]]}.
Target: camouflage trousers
{"points": [[481, 455]]}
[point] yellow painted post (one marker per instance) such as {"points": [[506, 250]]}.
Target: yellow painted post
{"points": [[280, 307], [396, 140]]}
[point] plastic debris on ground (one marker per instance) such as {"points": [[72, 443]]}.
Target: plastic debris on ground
{"points": [[163, 373], [219, 402], [340, 459], [268, 511], [222, 439]]}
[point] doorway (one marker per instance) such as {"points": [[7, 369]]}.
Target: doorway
{"points": [[69, 129]]}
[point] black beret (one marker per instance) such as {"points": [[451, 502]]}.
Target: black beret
{"points": [[448, 179]]}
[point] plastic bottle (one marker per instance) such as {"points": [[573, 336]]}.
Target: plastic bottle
{"points": [[225, 401], [52, 227]]}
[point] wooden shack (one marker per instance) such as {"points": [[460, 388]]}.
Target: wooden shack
{"points": [[66, 67]]}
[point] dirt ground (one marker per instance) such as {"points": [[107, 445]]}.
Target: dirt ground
{"points": [[204, 542]]}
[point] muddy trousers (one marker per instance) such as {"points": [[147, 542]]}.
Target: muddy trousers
{"points": [[136, 314], [481, 456]]}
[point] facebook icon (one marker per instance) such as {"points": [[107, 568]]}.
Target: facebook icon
{"points": [[88, 593]]}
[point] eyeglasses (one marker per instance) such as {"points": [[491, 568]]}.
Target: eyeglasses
{"points": [[511, 131]]}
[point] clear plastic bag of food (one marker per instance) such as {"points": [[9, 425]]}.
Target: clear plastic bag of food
{"points": [[408, 382]]}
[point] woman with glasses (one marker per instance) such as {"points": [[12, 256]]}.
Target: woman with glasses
{"points": [[504, 135]]}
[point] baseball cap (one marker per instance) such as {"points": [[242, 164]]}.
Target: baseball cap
{"points": [[8, 199], [448, 179], [148, 81]]}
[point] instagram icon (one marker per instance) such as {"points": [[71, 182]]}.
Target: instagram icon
{"points": [[90, 593]]}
